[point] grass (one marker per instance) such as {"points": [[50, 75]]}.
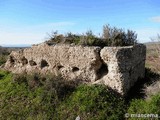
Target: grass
{"points": [[94, 102], [27, 99], [4, 52], [149, 106], [38, 97], [153, 57], [148, 90], [144, 98], [152, 62], [3, 59], [49, 97]]}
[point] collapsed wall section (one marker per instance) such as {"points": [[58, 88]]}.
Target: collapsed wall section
{"points": [[117, 67]]}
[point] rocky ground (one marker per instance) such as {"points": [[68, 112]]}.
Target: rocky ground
{"points": [[153, 62]]}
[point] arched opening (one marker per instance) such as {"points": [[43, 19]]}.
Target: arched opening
{"points": [[32, 63], [102, 71], [59, 67], [24, 61], [11, 59], [44, 63], [75, 69]]}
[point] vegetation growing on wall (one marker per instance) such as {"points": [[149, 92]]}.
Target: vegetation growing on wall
{"points": [[111, 36], [47, 97]]}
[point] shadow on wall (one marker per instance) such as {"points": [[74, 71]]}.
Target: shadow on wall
{"points": [[138, 90], [24, 62], [44, 63], [32, 63], [103, 70]]}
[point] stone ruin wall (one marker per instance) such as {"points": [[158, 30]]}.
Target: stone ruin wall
{"points": [[117, 67]]}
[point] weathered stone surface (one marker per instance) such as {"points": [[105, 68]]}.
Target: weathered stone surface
{"points": [[117, 67], [70, 61], [125, 66]]}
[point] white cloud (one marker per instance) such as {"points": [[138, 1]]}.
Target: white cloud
{"points": [[155, 19], [145, 34], [15, 35], [18, 38]]}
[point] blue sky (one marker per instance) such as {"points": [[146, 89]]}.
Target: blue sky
{"points": [[29, 21]]}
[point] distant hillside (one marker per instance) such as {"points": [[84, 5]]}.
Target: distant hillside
{"points": [[5, 51], [151, 43]]}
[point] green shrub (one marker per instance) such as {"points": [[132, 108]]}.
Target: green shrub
{"points": [[4, 52], [48, 97], [148, 106], [3, 59], [72, 38], [111, 37], [94, 102], [54, 98], [118, 37], [31, 96]]}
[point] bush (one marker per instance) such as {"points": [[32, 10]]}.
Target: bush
{"points": [[48, 97], [4, 52], [53, 98], [94, 102], [111, 37], [118, 37], [149, 106], [3, 59], [32, 96]]}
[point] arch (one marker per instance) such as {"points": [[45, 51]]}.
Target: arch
{"points": [[24, 61], [59, 67], [11, 59], [44, 63], [32, 63], [75, 69], [102, 71]]}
